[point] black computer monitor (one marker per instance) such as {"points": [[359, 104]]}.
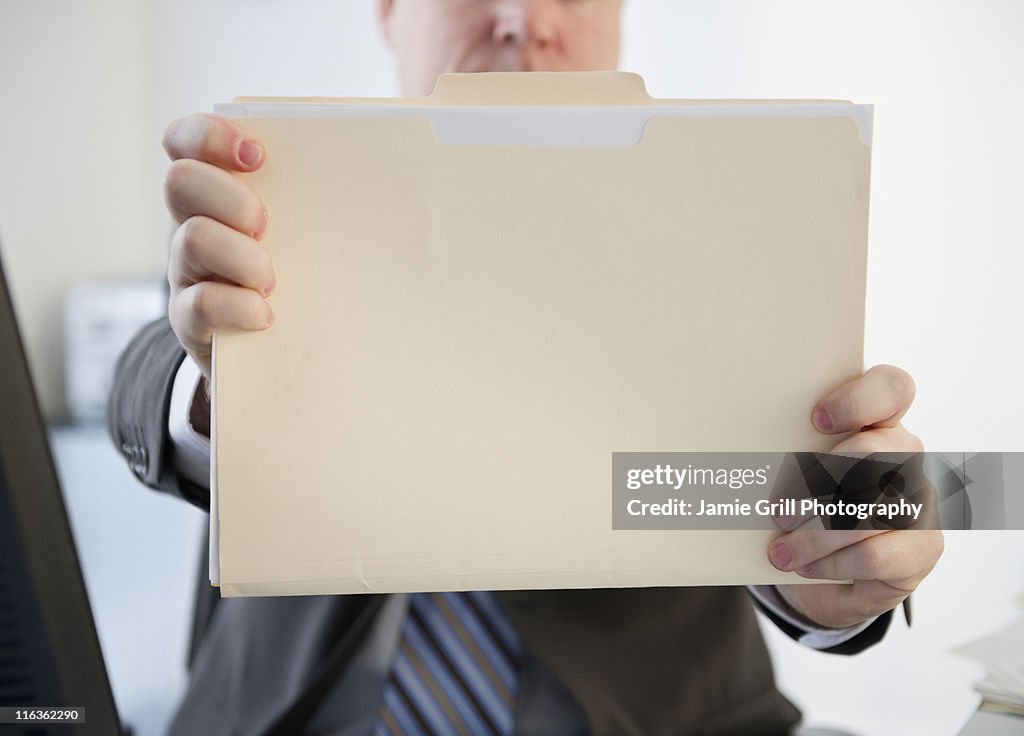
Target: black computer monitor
{"points": [[50, 656]]}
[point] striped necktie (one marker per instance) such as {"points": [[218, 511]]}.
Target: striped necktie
{"points": [[455, 671]]}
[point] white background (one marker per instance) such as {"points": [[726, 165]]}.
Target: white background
{"points": [[87, 87]]}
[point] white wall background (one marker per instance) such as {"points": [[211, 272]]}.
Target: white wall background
{"points": [[86, 89], [79, 174]]}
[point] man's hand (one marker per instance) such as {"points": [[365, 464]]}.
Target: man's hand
{"points": [[219, 273], [886, 566]]}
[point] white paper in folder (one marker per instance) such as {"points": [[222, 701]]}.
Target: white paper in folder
{"points": [[479, 303]]}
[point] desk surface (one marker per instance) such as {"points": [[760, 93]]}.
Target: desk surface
{"points": [[988, 723]]}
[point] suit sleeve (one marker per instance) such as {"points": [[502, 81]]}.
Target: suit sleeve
{"points": [[137, 411], [867, 638]]}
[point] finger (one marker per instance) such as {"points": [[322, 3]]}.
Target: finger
{"points": [[214, 140], [203, 249], [196, 188], [195, 312], [900, 559], [879, 398], [879, 473], [887, 439], [803, 476], [810, 543]]}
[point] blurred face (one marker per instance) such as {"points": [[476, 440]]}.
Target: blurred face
{"points": [[431, 37]]}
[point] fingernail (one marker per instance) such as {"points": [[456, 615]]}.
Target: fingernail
{"points": [[822, 420], [261, 229], [780, 554], [270, 287], [270, 317], [807, 571], [249, 153]]}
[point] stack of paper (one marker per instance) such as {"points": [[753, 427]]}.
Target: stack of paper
{"points": [[1002, 655], [483, 294]]}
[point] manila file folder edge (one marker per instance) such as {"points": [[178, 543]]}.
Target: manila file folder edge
{"points": [[465, 334]]}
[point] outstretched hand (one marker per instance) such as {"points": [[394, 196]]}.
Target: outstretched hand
{"points": [[219, 273], [885, 565]]}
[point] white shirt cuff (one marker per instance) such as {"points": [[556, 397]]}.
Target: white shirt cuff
{"points": [[815, 636], [191, 449]]}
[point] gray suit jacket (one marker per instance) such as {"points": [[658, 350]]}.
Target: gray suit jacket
{"points": [[646, 661]]}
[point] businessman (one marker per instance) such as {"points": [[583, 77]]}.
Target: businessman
{"points": [[617, 661]]}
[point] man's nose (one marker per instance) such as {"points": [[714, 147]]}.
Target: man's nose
{"points": [[518, 22]]}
